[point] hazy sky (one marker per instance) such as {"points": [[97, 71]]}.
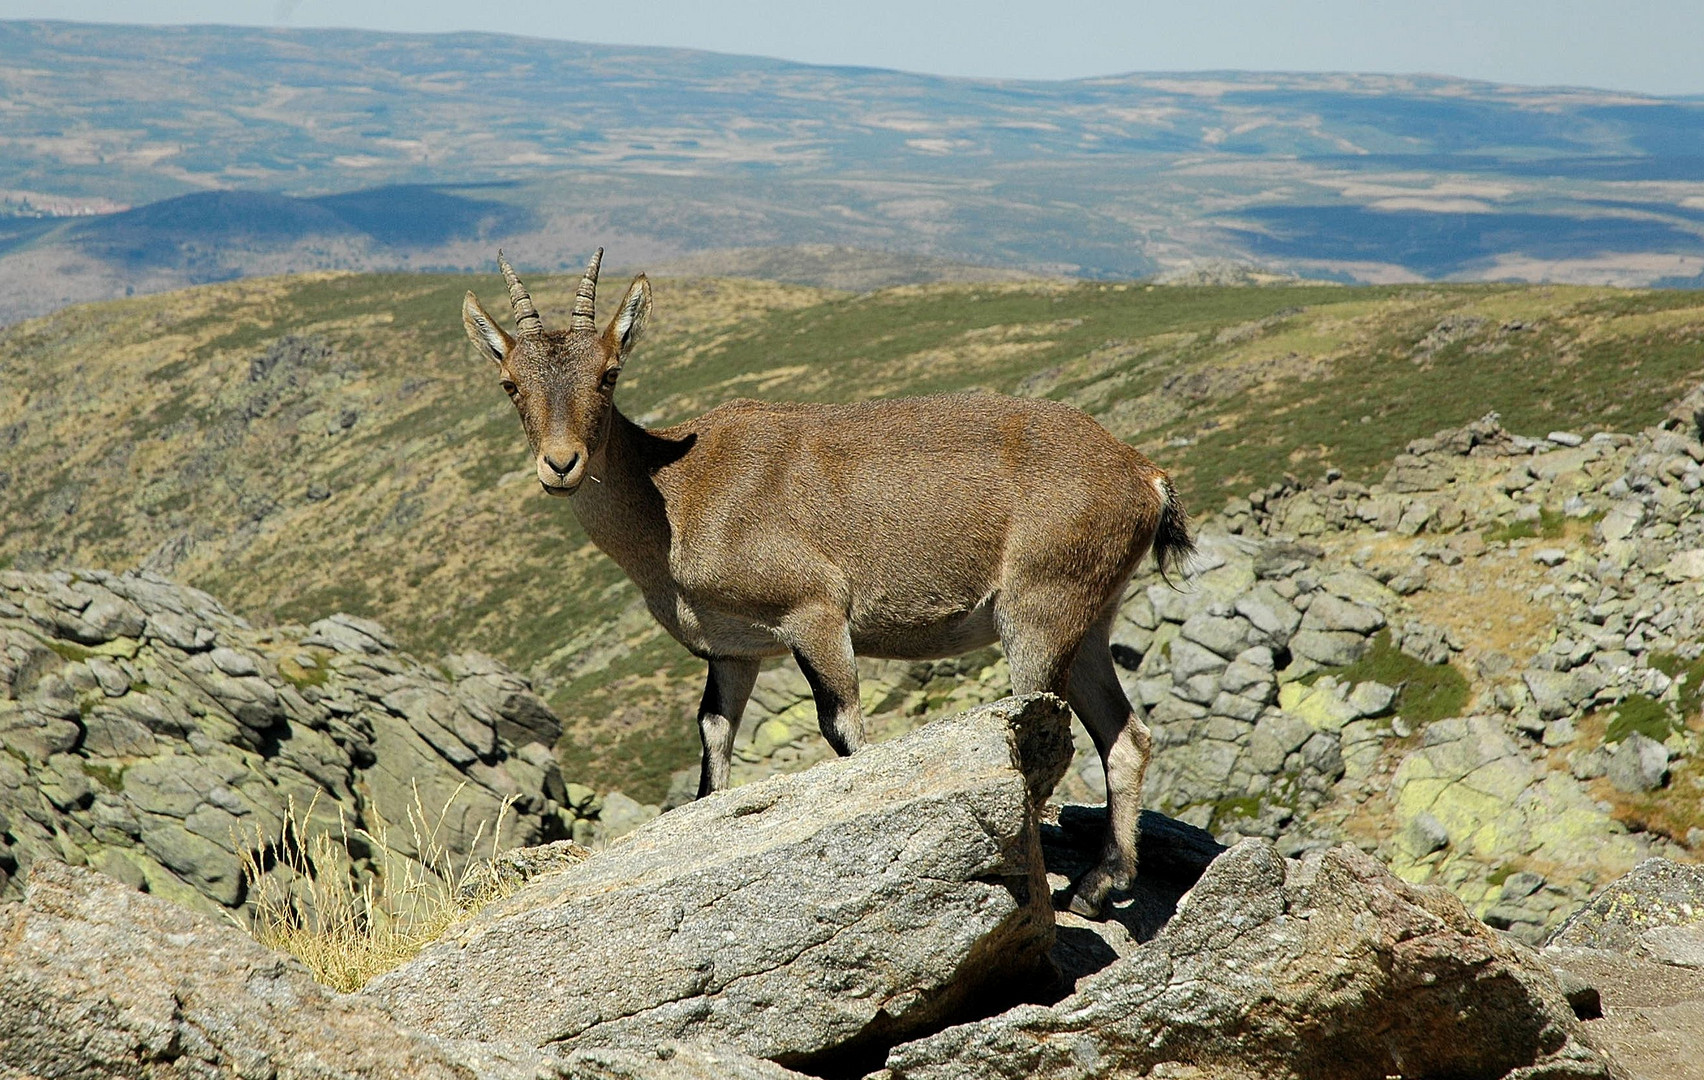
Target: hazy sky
{"points": [[1646, 45]]}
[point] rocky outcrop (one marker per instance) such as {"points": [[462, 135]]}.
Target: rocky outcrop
{"points": [[1470, 796], [1632, 964], [798, 919], [152, 735], [1321, 968], [97, 979], [1656, 912], [853, 921]]}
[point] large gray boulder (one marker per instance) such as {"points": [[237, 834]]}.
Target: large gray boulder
{"points": [[97, 979], [1325, 968], [800, 919], [1642, 913], [1638, 763], [149, 733], [1632, 962]]}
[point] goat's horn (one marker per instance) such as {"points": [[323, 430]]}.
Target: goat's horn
{"points": [[526, 316], [585, 297]]}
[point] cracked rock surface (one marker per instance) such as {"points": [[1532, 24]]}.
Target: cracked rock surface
{"points": [[1325, 967], [794, 919], [1227, 964], [97, 979]]}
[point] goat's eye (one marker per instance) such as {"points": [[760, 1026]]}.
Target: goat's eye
{"points": [[610, 377], [509, 388]]}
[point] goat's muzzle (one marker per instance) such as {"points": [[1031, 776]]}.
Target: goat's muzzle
{"points": [[561, 472]]}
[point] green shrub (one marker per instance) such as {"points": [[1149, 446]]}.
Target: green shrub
{"points": [[1690, 675], [1425, 692], [1550, 525], [1241, 806], [303, 677], [110, 777], [1644, 714], [70, 650]]}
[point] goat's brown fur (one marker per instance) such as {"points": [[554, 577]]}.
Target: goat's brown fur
{"points": [[913, 528]]}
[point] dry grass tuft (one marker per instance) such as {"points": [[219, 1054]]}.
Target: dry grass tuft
{"points": [[308, 898]]}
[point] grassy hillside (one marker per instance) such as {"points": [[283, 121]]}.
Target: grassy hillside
{"points": [[306, 444]]}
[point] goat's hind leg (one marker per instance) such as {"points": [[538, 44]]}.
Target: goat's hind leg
{"points": [[725, 694], [1125, 744], [822, 644]]}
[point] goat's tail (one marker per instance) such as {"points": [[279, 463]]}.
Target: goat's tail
{"points": [[1173, 545]]}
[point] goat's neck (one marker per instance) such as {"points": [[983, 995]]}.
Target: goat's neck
{"points": [[620, 506]]}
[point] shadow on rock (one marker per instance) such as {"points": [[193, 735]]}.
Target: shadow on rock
{"points": [[1171, 858]]}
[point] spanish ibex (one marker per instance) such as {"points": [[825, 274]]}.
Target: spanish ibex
{"points": [[912, 529]]}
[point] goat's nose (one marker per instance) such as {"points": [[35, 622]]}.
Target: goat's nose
{"points": [[561, 469]]}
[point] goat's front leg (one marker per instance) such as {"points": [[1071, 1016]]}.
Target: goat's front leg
{"points": [[725, 695], [822, 644]]}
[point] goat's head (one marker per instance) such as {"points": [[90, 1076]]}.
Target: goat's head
{"points": [[561, 381]]}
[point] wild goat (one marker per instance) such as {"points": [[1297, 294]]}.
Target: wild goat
{"points": [[914, 528]]}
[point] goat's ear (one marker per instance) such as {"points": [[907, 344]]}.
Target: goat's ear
{"points": [[492, 340], [629, 321]]}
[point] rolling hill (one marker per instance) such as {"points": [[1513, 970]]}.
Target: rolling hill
{"points": [[306, 444], [243, 152]]}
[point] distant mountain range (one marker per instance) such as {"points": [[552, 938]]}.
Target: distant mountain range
{"points": [[242, 151]]}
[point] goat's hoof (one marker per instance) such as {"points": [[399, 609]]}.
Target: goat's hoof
{"points": [[1088, 896], [1082, 905]]}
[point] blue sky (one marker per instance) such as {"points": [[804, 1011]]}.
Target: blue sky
{"points": [[1645, 45]]}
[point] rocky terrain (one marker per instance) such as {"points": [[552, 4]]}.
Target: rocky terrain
{"points": [[1479, 660], [1407, 732], [885, 916], [153, 736], [1633, 961], [305, 445]]}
